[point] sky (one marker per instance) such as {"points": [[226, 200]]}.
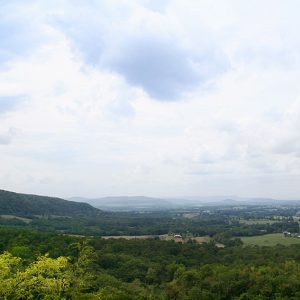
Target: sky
{"points": [[165, 98]]}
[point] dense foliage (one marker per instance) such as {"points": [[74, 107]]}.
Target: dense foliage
{"points": [[94, 268]]}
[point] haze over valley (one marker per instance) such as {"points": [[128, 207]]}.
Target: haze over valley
{"points": [[142, 203]]}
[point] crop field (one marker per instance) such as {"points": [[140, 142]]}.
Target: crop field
{"points": [[163, 237], [270, 240]]}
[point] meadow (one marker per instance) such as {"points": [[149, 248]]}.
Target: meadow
{"points": [[270, 240]]}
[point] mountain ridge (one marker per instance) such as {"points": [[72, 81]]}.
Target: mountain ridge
{"points": [[29, 204], [143, 203], [126, 202]]}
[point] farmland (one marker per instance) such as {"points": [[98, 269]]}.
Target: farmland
{"points": [[270, 240], [163, 237]]}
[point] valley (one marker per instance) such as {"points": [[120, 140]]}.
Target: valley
{"points": [[215, 251]]}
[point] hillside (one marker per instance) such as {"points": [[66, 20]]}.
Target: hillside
{"points": [[24, 204]]}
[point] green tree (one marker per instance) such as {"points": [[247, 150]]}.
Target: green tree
{"points": [[46, 278]]}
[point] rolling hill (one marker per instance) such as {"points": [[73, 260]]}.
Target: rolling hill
{"points": [[24, 204], [142, 203]]}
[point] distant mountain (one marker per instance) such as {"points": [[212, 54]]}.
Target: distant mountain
{"points": [[235, 200], [24, 204], [141, 203], [127, 203]]}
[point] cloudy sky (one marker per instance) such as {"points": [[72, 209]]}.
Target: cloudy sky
{"points": [[158, 98]]}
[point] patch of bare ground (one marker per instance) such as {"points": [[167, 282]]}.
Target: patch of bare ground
{"points": [[164, 237], [129, 237]]}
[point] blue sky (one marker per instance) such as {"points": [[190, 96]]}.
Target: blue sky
{"points": [[157, 98]]}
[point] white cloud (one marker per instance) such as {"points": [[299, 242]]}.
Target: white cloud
{"points": [[88, 125], [143, 46]]}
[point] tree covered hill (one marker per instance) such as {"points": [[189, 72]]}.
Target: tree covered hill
{"points": [[26, 205]]}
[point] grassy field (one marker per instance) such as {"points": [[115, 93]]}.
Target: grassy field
{"points": [[270, 240], [12, 217], [257, 221]]}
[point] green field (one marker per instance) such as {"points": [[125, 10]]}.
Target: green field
{"points": [[270, 240], [258, 221]]}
